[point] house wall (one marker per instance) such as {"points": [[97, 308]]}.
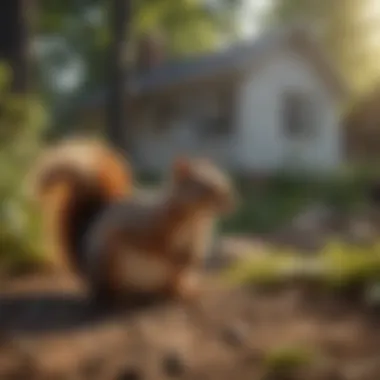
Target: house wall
{"points": [[155, 150], [262, 143], [258, 143]]}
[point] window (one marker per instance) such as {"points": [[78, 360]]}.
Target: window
{"points": [[298, 115], [162, 114], [218, 118], [226, 104]]}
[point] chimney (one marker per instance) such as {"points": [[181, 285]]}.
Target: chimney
{"points": [[150, 52]]}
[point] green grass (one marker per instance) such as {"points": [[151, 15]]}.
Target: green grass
{"points": [[338, 265], [288, 359]]}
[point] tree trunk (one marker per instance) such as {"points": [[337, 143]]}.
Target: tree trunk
{"points": [[16, 22], [117, 126]]}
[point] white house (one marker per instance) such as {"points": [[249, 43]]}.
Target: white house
{"points": [[259, 107]]}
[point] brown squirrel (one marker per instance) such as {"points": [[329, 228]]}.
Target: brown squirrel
{"points": [[73, 181], [119, 240]]}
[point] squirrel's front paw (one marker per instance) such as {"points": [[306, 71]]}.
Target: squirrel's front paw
{"points": [[188, 287]]}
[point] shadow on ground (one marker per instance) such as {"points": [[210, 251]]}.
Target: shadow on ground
{"points": [[39, 312]]}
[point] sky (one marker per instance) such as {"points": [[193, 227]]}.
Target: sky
{"points": [[251, 12], [372, 14]]}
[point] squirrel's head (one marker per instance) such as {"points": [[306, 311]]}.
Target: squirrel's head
{"points": [[200, 184]]}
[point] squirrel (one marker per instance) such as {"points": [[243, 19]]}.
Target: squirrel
{"points": [[118, 239], [73, 181], [159, 243]]}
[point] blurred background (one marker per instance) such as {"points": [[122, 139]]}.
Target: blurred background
{"points": [[282, 94]]}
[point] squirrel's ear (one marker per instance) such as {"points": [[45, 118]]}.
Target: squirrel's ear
{"points": [[181, 168]]}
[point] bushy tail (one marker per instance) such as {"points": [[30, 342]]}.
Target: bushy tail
{"points": [[73, 182]]}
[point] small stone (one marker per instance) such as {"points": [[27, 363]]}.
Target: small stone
{"points": [[235, 335], [173, 364], [129, 374]]}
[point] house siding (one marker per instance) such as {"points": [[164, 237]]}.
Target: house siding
{"points": [[262, 144], [257, 143], [155, 150]]}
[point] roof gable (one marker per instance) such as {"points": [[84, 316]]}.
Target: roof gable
{"points": [[239, 58], [235, 59]]}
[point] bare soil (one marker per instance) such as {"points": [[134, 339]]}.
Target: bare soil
{"points": [[49, 330]]}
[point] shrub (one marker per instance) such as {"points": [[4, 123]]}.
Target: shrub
{"points": [[337, 266], [21, 120]]}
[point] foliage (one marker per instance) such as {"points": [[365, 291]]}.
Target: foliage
{"points": [[76, 38], [344, 29], [338, 266], [188, 25], [20, 123], [81, 32], [287, 359], [267, 206]]}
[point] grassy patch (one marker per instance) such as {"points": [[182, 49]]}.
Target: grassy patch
{"points": [[338, 265], [262, 270], [288, 359]]}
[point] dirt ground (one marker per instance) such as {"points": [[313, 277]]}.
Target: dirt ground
{"points": [[49, 330]]}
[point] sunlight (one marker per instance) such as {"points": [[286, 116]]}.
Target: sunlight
{"points": [[251, 14]]}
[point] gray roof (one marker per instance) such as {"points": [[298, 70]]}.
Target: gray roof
{"points": [[236, 58]]}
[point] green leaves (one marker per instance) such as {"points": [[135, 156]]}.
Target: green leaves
{"points": [[187, 25], [21, 121], [344, 31]]}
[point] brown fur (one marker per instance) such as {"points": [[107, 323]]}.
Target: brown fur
{"points": [[176, 229], [77, 179], [72, 180]]}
